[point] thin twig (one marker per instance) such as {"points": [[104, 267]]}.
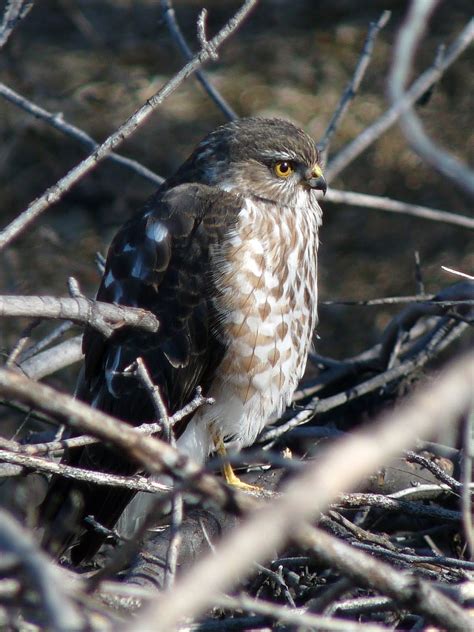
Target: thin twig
{"points": [[56, 192], [348, 154], [51, 337], [178, 37], [155, 396], [432, 467], [353, 86], [309, 493], [298, 617], [57, 122], [16, 540], [21, 343], [154, 455], [458, 273], [408, 38], [52, 360], [406, 590], [389, 503], [467, 496], [396, 206], [14, 12], [105, 317], [58, 447], [177, 501], [137, 483]]}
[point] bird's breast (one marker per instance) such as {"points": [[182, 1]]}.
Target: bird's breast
{"points": [[267, 300]]}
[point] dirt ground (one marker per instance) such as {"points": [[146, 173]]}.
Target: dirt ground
{"points": [[97, 61]]}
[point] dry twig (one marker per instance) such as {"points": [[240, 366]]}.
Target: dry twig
{"points": [[409, 36], [353, 86], [395, 206], [310, 493], [105, 317], [56, 192], [391, 116]]}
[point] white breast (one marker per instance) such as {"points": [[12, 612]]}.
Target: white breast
{"points": [[268, 303]]}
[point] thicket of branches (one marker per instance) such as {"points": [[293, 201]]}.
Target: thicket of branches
{"points": [[355, 527]]}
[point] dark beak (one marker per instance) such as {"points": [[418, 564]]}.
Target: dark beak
{"points": [[318, 183], [315, 179]]}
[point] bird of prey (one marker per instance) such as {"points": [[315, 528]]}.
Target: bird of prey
{"points": [[225, 255]]}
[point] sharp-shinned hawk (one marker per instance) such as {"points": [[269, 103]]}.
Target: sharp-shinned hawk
{"points": [[225, 255]]}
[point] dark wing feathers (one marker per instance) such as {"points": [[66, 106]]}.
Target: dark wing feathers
{"points": [[159, 260]]}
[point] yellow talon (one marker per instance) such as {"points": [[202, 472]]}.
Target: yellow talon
{"points": [[230, 476]]}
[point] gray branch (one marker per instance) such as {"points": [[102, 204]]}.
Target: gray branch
{"points": [[57, 121], [408, 39], [57, 191], [349, 153], [105, 317], [395, 206]]}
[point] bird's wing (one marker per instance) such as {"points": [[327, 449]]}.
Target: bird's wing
{"points": [[160, 260]]}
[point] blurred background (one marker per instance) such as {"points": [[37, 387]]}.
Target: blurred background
{"points": [[96, 61]]}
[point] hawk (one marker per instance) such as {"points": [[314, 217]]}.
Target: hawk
{"points": [[225, 255]]}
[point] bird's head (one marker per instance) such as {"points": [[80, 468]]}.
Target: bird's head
{"points": [[270, 159]]}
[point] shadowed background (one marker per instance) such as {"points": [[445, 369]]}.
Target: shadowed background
{"points": [[97, 61]]}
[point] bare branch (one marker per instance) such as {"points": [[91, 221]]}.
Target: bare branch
{"points": [[395, 206], [408, 39], [56, 192], [391, 116], [137, 483], [155, 455], [467, 496], [105, 317], [353, 86], [47, 340], [458, 273], [306, 495], [52, 360], [17, 541], [178, 37], [14, 12], [57, 447], [406, 590], [57, 121], [298, 617]]}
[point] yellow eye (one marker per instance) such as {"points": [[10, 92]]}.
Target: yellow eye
{"points": [[283, 169]]}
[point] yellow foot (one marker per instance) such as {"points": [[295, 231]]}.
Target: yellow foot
{"points": [[229, 474], [232, 479]]}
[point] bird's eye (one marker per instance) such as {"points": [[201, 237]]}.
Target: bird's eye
{"points": [[283, 168]]}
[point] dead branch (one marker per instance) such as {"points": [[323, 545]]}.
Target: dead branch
{"points": [[403, 588], [353, 87], [312, 491], [137, 483], [178, 37], [56, 192], [52, 360], [408, 38], [467, 496], [293, 616], [15, 540], [391, 116], [154, 455], [105, 317], [14, 12], [396, 206], [58, 447], [56, 120]]}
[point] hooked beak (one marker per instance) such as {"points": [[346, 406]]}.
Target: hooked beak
{"points": [[315, 179]]}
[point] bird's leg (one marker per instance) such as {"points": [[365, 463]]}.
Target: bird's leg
{"points": [[227, 470]]}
